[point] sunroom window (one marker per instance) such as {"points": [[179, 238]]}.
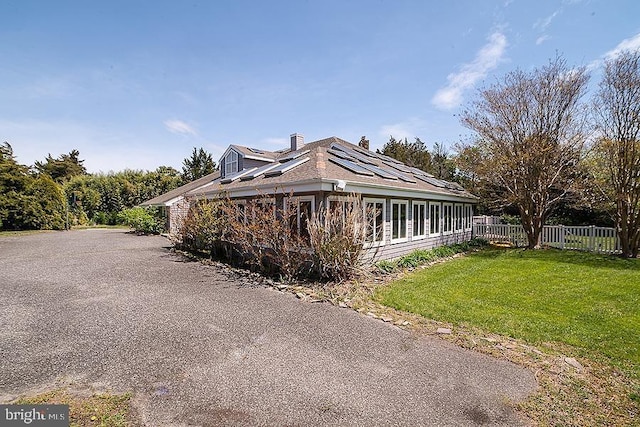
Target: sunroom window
{"points": [[399, 210], [419, 219]]}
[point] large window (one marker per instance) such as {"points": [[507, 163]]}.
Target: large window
{"points": [[231, 163], [419, 220], [374, 213], [399, 209], [434, 218], [459, 217], [447, 218], [299, 211], [468, 217]]}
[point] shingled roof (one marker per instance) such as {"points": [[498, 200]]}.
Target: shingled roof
{"points": [[169, 196], [328, 161]]}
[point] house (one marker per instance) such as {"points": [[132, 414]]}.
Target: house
{"points": [[412, 208]]}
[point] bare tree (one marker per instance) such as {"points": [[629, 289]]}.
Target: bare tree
{"points": [[617, 149], [529, 128]]}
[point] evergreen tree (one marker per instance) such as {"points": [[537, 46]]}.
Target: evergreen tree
{"points": [[198, 165], [62, 168]]}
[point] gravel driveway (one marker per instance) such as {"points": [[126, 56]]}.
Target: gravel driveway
{"points": [[196, 346]]}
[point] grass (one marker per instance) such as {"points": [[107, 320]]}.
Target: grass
{"points": [[566, 303], [590, 302], [17, 233], [100, 410]]}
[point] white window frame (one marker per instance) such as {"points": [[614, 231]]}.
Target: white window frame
{"points": [[230, 161], [241, 202], [458, 218], [468, 217], [393, 221], [447, 230], [366, 201], [424, 219], [297, 200], [431, 217]]}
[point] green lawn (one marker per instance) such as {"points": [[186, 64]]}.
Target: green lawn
{"points": [[589, 301]]}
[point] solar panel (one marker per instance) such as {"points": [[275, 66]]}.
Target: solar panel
{"points": [[353, 154], [380, 172], [284, 167], [236, 175], [340, 154], [366, 152], [400, 167], [431, 180], [417, 171], [255, 150], [293, 156], [256, 173], [403, 177], [349, 165], [388, 159]]}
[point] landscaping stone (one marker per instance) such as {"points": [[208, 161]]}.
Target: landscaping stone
{"points": [[300, 295], [387, 319], [342, 305], [444, 331], [573, 362], [370, 314]]}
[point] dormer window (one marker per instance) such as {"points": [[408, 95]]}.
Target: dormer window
{"points": [[231, 163]]}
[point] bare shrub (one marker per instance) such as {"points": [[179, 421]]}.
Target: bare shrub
{"points": [[337, 235], [264, 239]]}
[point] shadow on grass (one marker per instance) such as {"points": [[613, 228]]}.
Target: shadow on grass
{"points": [[586, 259]]}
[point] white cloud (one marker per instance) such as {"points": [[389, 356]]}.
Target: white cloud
{"points": [[409, 129], [542, 24], [486, 60], [542, 39], [179, 127], [630, 44]]}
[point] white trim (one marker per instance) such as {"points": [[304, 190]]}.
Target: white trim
{"points": [[392, 220], [297, 200], [446, 232], [425, 219], [468, 217], [262, 159], [438, 217], [353, 188], [227, 163], [381, 242], [458, 217]]}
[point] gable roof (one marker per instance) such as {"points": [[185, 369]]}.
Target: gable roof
{"points": [[168, 197], [327, 161]]}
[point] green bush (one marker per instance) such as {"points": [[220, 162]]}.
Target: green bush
{"points": [[424, 256], [142, 220]]}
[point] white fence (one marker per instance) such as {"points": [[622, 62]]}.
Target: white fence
{"points": [[585, 238]]}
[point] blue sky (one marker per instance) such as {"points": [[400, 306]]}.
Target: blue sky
{"points": [[137, 84]]}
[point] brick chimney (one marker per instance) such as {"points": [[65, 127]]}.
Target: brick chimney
{"points": [[364, 143], [297, 141]]}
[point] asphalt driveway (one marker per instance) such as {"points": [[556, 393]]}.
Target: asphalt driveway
{"points": [[197, 346]]}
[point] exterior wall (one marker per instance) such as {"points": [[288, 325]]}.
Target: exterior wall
{"points": [[177, 213], [390, 250], [396, 250]]}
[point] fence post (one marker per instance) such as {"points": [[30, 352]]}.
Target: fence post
{"points": [[562, 237], [592, 239]]}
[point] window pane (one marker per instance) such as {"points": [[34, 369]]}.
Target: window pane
{"points": [[416, 220], [379, 221], [394, 220], [403, 220]]}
